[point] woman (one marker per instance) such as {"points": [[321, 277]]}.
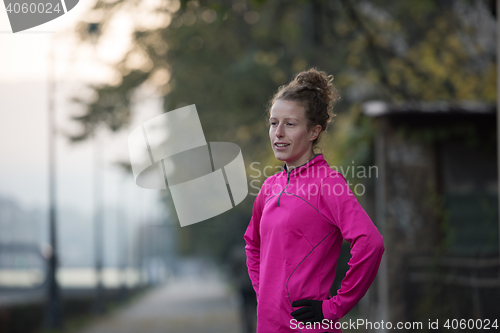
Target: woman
{"points": [[300, 218]]}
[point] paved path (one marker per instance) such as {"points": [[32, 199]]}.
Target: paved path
{"points": [[186, 305]]}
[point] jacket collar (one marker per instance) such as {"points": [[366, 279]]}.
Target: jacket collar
{"points": [[316, 160]]}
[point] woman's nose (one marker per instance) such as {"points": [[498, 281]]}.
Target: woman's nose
{"points": [[279, 131]]}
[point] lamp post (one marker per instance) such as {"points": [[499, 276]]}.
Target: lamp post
{"points": [[53, 312], [93, 30], [121, 242], [98, 223]]}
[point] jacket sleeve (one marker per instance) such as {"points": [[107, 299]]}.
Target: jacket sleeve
{"points": [[252, 239], [339, 203]]}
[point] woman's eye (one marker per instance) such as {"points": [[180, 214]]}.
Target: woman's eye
{"points": [[290, 124], [273, 123]]}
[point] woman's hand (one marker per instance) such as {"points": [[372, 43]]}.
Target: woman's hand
{"points": [[310, 312]]}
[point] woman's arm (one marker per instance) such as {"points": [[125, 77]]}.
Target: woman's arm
{"points": [[366, 246], [252, 239]]}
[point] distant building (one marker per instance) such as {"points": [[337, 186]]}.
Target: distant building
{"points": [[18, 225], [20, 236], [435, 201]]}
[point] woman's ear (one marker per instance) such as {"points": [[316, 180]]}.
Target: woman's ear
{"points": [[315, 132]]}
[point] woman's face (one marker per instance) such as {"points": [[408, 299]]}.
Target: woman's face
{"points": [[290, 139]]}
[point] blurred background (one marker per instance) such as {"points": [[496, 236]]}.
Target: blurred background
{"points": [[83, 249]]}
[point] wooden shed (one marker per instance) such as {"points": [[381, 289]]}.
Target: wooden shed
{"points": [[435, 201]]}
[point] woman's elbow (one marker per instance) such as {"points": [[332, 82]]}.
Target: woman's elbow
{"points": [[374, 243], [378, 243]]}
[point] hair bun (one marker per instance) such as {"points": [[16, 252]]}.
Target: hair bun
{"points": [[317, 81]]}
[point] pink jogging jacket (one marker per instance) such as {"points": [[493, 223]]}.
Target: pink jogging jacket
{"points": [[293, 242]]}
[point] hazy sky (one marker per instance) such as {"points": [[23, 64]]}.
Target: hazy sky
{"points": [[23, 117]]}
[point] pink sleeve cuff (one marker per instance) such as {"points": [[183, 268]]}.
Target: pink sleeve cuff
{"points": [[330, 310]]}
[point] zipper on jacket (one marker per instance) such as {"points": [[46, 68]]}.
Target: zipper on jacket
{"points": [[287, 182], [288, 176]]}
